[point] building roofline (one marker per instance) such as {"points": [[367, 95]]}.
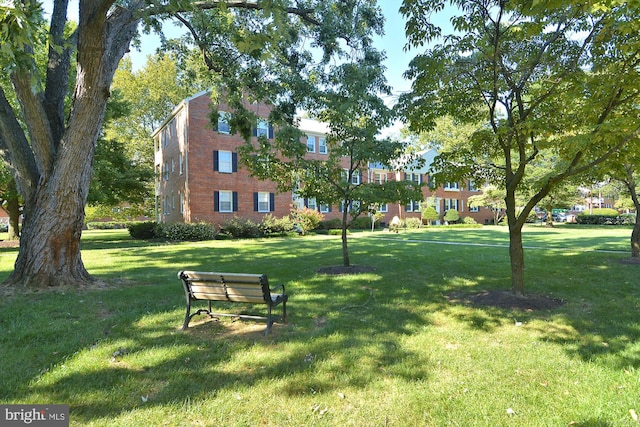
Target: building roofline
{"points": [[177, 108]]}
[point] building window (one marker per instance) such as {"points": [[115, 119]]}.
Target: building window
{"points": [[472, 185], [379, 177], [223, 122], [324, 208], [452, 186], [413, 206], [181, 201], [224, 201], [311, 203], [451, 204], [474, 208], [181, 163], [311, 144], [383, 208], [262, 129], [355, 177], [322, 145], [225, 162], [415, 177], [263, 201]]}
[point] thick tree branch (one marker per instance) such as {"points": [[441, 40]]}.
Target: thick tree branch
{"points": [[13, 139], [57, 70], [40, 135]]}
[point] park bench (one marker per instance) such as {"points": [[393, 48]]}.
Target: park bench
{"points": [[231, 287]]}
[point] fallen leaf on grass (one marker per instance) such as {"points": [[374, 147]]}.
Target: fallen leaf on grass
{"points": [[341, 395], [510, 411], [633, 415]]}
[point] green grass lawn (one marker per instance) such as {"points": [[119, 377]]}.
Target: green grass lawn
{"points": [[388, 348]]}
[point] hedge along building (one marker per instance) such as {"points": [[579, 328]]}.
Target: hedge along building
{"points": [[199, 176]]}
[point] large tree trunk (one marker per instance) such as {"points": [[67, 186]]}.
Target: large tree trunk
{"points": [[516, 251], [54, 177], [53, 220], [516, 254], [345, 248]]}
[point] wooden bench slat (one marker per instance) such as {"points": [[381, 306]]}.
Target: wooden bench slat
{"points": [[231, 287]]}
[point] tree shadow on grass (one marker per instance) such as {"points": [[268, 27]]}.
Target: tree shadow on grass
{"points": [[131, 353]]}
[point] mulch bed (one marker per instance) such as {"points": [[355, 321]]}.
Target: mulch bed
{"points": [[9, 243], [507, 300]]}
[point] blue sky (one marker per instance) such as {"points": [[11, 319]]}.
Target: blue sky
{"points": [[393, 43]]}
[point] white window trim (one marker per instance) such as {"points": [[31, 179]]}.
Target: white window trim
{"points": [[221, 201], [322, 145], [312, 148], [228, 164], [264, 205], [262, 128]]}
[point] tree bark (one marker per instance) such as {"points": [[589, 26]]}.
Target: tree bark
{"points": [[516, 255], [55, 189], [345, 248]]}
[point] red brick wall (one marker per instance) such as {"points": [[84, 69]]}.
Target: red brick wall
{"points": [[197, 140]]}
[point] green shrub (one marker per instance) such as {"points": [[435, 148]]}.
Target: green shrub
{"points": [[452, 216], [360, 223], [241, 228], [271, 225], [604, 211], [469, 220], [430, 215], [184, 232], [337, 232], [413, 222], [144, 230], [603, 216], [108, 225], [331, 224], [306, 219]]}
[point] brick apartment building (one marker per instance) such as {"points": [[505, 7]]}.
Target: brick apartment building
{"points": [[199, 177]]}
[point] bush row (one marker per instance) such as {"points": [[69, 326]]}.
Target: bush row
{"points": [[625, 219], [177, 231]]}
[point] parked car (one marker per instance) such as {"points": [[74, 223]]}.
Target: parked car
{"points": [[560, 217]]}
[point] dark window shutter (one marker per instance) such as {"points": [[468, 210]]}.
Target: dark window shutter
{"points": [[216, 201], [329, 208], [255, 202], [254, 131], [215, 161], [270, 131], [234, 162], [272, 202], [235, 201], [306, 202]]}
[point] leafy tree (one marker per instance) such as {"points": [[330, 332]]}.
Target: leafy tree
{"points": [[452, 216], [492, 198], [430, 214], [347, 99], [541, 77], [260, 49]]}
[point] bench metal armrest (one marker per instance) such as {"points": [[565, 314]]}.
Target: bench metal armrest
{"points": [[280, 286]]}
